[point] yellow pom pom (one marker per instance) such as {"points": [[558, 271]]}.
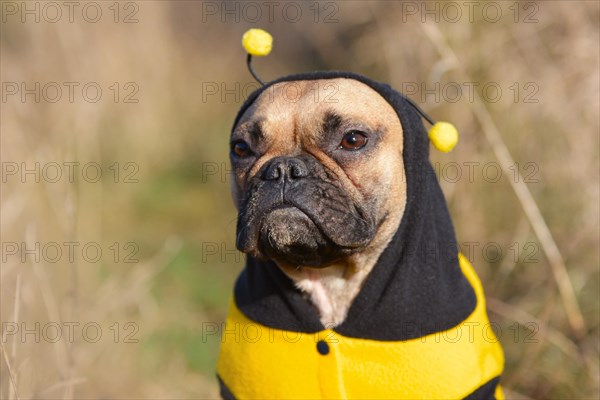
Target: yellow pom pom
{"points": [[444, 136], [257, 42]]}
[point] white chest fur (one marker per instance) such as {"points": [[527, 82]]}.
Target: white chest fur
{"points": [[331, 289]]}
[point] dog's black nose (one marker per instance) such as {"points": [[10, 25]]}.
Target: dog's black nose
{"points": [[285, 168]]}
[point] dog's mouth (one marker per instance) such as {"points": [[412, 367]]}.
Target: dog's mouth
{"points": [[291, 236], [288, 235]]}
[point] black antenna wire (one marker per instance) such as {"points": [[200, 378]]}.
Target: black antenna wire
{"points": [[251, 69], [420, 111]]}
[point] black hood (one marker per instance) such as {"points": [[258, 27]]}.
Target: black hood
{"points": [[415, 288]]}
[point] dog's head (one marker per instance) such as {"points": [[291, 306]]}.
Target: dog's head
{"points": [[318, 172]]}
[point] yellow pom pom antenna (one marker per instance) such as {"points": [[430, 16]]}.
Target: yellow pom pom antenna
{"points": [[443, 136], [257, 42]]}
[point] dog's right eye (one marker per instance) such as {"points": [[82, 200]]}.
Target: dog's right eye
{"points": [[353, 140], [240, 149]]}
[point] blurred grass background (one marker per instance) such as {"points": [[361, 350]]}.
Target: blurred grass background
{"points": [[178, 219]]}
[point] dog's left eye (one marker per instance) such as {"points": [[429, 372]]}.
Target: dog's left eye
{"points": [[353, 140], [240, 149]]}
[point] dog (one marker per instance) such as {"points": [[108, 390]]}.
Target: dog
{"points": [[354, 286]]}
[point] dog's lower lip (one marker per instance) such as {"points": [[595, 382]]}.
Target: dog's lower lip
{"points": [[285, 206], [281, 206]]}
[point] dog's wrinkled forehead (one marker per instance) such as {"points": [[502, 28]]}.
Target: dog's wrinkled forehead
{"points": [[308, 107]]}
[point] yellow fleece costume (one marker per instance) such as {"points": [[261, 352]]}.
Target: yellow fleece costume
{"points": [[260, 362]]}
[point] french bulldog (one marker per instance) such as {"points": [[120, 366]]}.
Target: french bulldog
{"points": [[350, 245]]}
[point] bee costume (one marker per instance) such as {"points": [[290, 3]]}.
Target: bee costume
{"points": [[418, 329]]}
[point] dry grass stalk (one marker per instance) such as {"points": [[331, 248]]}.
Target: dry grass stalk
{"points": [[535, 217], [13, 392]]}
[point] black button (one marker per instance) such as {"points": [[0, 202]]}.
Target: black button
{"points": [[322, 347]]}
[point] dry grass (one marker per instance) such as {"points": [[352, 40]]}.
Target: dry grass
{"points": [[543, 215]]}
